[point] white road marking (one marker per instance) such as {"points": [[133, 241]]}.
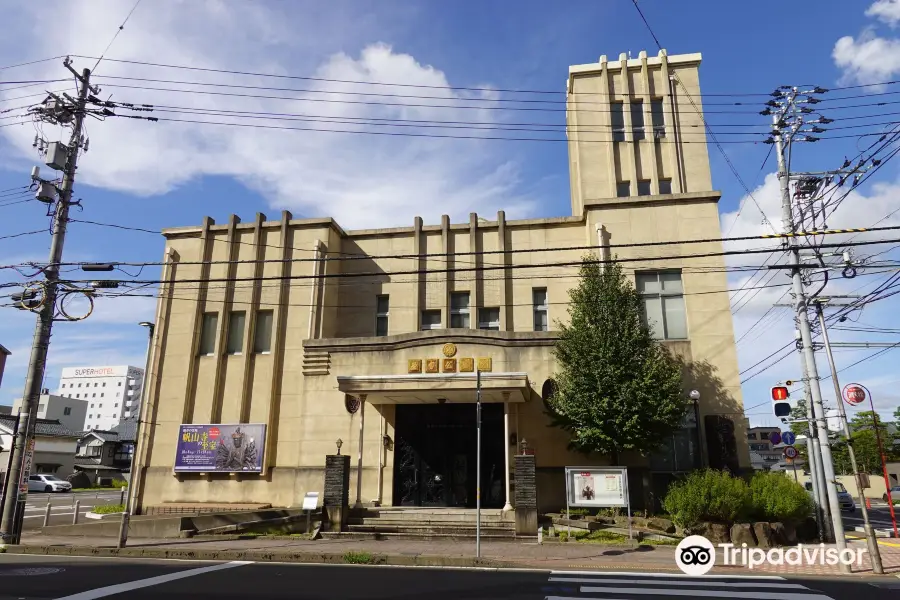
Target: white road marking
{"points": [[586, 589], [657, 574], [121, 588], [694, 581]]}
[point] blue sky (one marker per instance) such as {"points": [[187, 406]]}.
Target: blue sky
{"points": [[169, 174]]}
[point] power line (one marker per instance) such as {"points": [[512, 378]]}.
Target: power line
{"points": [[118, 31]]}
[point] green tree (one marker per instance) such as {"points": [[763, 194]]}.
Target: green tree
{"points": [[617, 388]]}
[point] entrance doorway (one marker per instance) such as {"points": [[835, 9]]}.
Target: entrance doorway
{"points": [[435, 455]]}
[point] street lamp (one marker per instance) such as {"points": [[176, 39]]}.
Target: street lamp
{"points": [[126, 516], [695, 400]]}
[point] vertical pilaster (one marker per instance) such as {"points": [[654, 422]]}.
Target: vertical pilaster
{"points": [[507, 506], [611, 96], [190, 390], [670, 110], [476, 279], [506, 311], [247, 355], [648, 126], [315, 293], [419, 278], [224, 306], [446, 281], [359, 455], [629, 148]]}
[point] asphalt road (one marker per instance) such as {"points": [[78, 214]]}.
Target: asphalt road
{"points": [[62, 506], [879, 515], [33, 577]]}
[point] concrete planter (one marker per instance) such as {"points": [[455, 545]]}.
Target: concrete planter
{"points": [[103, 517]]}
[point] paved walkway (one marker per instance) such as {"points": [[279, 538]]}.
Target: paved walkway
{"points": [[523, 554]]}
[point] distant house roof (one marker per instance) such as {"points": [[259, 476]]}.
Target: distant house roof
{"points": [[126, 431], [43, 427], [3, 350]]}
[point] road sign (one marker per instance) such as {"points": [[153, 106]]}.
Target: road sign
{"points": [[775, 437], [790, 453], [854, 394], [788, 438]]}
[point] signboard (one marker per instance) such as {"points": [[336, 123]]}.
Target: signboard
{"points": [[26, 470], [775, 437], [597, 486], [790, 453], [853, 394], [230, 448], [310, 501], [788, 438]]}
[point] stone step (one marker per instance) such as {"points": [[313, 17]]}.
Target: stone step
{"points": [[433, 519], [434, 514], [431, 529], [374, 535]]}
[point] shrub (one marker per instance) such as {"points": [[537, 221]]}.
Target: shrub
{"points": [[108, 508], [775, 497], [707, 495], [358, 558], [119, 483]]}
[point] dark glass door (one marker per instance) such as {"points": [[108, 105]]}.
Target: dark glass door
{"points": [[435, 455]]}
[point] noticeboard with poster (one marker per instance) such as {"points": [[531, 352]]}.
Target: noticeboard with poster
{"points": [[597, 487], [230, 448]]}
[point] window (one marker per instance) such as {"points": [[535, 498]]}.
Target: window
{"points": [[618, 121], [759, 447], [623, 189], [751, 436], [207, 334], [489, 318], [92, 406], [117, 405], [431, 319], [79, 385], [63, 386], [382, 310], [90, 416], [643, 188], [120, 383], [96, 384], [539, 301], [94, 395], [67, 411], [658, 118], [262, 335], [459, 310], [101, 395], [665, 186], [104, 384], [235, 334], [118, 394], [662, 294], [637, 120], [78, 395]]}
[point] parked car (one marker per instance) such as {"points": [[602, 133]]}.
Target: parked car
{"points": [[845, 500], [48, 483], [895, 493]]}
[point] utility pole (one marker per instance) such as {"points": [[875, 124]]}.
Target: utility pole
{"points": [[817, 475], [788, 103], [21, 450], [874, 551]]}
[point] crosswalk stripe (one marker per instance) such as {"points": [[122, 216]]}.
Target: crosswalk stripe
{"points": [[694, 581], [715, 593], [675, 575]]}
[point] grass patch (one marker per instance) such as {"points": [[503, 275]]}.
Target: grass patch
{"points": [[660, 542], [108, 509], [94, 489], [358, 558]]}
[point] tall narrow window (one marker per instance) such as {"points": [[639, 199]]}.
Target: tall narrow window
{"points": [[262, 334], [382, 307], [658, 118], [663, 297], [236, 322], [637, 120], [617, 115], [431, 319], [489, 318], [539, 300], [623, 189], [643, 188], [208, 334], [459, 310], [665, 186]]}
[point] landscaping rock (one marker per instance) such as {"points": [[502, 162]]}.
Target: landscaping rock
{"points": [[660, 524], [765, 538], [807, 530], [717, 533], [742, 533], [785, 534]]}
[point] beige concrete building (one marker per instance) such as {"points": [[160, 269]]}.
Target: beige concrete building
{"points": [[373, 337]]}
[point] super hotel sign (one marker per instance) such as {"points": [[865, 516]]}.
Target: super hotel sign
{"points": [[448, 364]]}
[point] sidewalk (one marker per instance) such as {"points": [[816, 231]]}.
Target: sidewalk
{"points": [[497, 554]]}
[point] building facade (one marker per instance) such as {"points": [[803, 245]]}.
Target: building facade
{"points": [[70, 412], [54, 447], [113, 393], [106, 455], [760, 444], [314, 339]]}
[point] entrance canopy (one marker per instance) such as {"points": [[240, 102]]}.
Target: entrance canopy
{"points": [[454, 388]]}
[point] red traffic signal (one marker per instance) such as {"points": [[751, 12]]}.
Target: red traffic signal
{"points": [[780, 393], [780, 405]]}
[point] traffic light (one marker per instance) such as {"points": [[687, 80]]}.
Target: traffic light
{"points": [[780, 404]]}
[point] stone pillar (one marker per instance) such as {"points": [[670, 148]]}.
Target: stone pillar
{"points": [[336, 499], [526, 496], [359, 455], [506, 506]]}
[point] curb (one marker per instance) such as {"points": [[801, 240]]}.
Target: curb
{"points": [[262, 556]]}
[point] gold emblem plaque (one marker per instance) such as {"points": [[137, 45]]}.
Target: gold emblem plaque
{"points": [[449, 365], [449, 350], [484, 364], [432, 365], [414, 365], [466, 365]]}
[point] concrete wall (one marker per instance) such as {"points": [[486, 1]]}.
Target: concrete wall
{"points": [[875, 490], [54, 408]]}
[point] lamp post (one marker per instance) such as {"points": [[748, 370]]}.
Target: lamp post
{"points": [[129, 505], [695, 400]]}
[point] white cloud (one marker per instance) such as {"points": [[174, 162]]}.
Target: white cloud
{"points": [[361, 180], [887, 11]]}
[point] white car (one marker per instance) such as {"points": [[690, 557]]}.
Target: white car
{"points": [[48, 483]]}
